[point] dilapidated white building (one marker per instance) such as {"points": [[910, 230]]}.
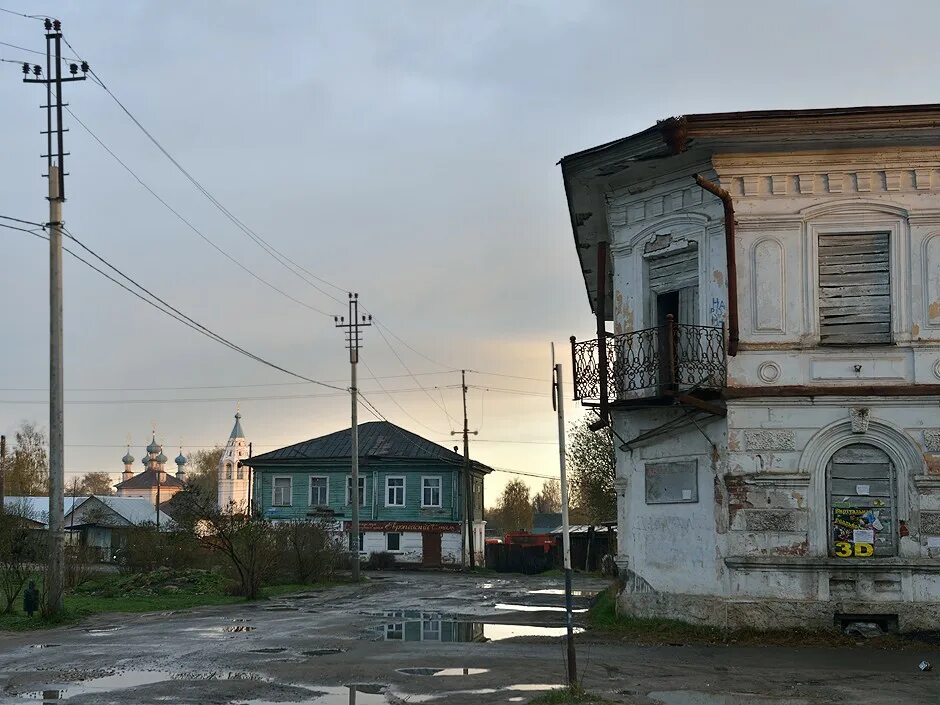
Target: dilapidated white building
{"points": [[772, 373]]}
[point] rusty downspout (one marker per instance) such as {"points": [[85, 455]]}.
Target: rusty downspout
{"points": [[725, 197]]}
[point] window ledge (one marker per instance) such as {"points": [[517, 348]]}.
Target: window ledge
{"points": [[812, 563]]}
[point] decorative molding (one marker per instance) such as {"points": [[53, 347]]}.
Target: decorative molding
{"points": [[930, 262], [764, 439], [629, 210], [768, 287], [932, 439], [860, 417], [936, 369], [778, 184], [807, 183], [751, 183], [768, 372], [922, 179]]}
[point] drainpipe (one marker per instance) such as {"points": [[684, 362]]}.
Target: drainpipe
{"points": [[725, 197]]}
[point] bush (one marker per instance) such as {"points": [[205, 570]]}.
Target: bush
{"points": [[382, 560], [146, 550], [306, 552]]}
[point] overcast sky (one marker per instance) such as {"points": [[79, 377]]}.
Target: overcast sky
{"points": [[405, 150]]}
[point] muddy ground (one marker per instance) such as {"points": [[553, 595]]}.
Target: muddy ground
{"points": [[386, 641]]}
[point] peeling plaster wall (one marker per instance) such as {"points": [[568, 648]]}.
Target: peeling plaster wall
{"points": [[758, 534]]}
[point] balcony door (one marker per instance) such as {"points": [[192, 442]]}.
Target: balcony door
{"points": [[673, 281]]}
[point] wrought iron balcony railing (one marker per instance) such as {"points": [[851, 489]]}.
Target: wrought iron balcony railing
{"points": [[653, 362]]}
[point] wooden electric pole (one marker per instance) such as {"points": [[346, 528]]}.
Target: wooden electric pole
{"points": [[55, 164], [353, 342], [467, 479]]}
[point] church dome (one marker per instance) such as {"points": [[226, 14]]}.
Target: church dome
{"points": [[128, 458], [180, 459], [154, 447], [161, 458]]}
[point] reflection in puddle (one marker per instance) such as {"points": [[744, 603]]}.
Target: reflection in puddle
{"points": [[443, 671], [102, 630], [130, 679], [429, 626], [44, 646], [238, 628], [692, 697], [556, 591], [269, 650], [534, 608]]}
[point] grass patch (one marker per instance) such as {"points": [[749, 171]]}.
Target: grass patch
{"points": [[157, 591], [603, 618], [564, 696]]}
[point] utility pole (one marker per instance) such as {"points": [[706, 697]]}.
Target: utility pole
{"points": [[353, 343], [3, 468], [467, 480], [558, 401], [55, 164]]}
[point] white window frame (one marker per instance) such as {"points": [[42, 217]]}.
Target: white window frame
{"points": [[404, 484], [399, 535], [430, 634], [310, 493], [362, 479], [290, 490], [440, 490]]}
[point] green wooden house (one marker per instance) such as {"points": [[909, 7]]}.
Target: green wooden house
{"points": [[411, 491]]}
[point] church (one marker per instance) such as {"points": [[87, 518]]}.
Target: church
{"points": [[154, 482]]}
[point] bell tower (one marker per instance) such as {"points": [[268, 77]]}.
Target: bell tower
{"points": [[233, 477]]}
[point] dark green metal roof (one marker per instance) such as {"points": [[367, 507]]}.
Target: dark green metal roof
{"points": [[377, 439]]}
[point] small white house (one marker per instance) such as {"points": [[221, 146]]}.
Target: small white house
{"points": [[772, 369]]}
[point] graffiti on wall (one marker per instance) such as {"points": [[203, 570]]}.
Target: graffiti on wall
{"points": [[717, 312]]}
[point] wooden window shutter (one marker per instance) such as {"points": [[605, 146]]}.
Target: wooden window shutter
{"points": [[854, 289]]}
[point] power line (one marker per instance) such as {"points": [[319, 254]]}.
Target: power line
{"points": [[189, 223], [395, 401], [24, 222], [172, 311], [214, 386]]}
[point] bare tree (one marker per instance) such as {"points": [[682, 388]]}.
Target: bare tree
{"points": [[245, 540], [204, 471], [20, 549], [99, 483], [27, 471], [514, 508], [592, 464], [548, 499]]}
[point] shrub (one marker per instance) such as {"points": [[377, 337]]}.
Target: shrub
{"points": [[306, 551], [382, 560], [146, 549]]}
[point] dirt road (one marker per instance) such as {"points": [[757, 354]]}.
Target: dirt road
{"points": [[422, 637]]}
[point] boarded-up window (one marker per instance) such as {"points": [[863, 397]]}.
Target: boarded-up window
{"points": [[862, 501], [673, 279], [854, 289], [672, 483]]}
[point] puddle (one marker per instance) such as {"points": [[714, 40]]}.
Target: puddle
{"points": [[238, 628], [323, 652], [443, 671], [556, 591], [102, 630], [430, 627], [270, 650], [282, 608], [693, 697], [117, 681], [44, 646], [535, 608], [129, 679]]}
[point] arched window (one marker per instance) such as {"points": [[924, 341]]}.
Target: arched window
{"points": [[862, 491], [240, 473], [228, 471]]}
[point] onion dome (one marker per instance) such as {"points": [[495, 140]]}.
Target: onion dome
{"points": [[180, 459], [162, 458], [154, 447], [128, 458], [145, 460]]}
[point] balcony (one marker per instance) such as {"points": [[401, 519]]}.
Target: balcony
{"points": [[674, 362]]}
